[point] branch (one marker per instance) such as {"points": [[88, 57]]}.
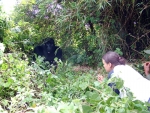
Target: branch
{"points": [[94, 89]]}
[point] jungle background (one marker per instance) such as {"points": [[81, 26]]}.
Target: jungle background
{"points": [[84, 30]]}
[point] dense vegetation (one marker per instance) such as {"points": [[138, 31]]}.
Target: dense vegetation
{"points": [[85, 30]]}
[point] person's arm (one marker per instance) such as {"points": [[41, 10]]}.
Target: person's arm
{"points": [[100, 78], [112, 85]]}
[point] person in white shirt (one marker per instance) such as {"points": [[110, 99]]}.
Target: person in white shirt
{"points": [[116, 66]]}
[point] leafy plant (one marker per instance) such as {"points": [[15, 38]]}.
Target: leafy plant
{"points": [[27, 86], [3, 25], [147, 51], [119, 51]]}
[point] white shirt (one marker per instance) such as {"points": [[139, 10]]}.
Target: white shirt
{"points": [[138, 85]]}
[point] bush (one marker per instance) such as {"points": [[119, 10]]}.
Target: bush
{"points": [[29, 88]]}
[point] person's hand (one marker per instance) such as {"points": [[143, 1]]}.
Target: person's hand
{"points": [[100, 78]]}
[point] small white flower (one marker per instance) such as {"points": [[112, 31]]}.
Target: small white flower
{"points": [[134, 23], [2, 47], [1, 61]]}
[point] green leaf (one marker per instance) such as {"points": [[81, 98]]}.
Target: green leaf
{"points": [[97, 83], [147, 51], [84, 85], [108, 109], [121, 110], [145, 111], [86, 109]]}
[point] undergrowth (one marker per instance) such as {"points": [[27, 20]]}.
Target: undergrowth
{"points": [[30, 89]]}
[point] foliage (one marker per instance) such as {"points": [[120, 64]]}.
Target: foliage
{"points": [[28, 88], [84, 43], [64, 23], [2, 48], [3, 25], [147, 51], [119, 51]]}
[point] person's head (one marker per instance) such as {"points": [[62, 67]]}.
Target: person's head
{"points": [[112, 59]]}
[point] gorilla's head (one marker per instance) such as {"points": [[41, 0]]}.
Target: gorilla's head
{"points": [[49, 46]]}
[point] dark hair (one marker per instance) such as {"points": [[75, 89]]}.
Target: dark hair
{"points": [[114, 58]]}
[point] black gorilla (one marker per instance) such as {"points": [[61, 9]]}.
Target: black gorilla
{"points": [[48, 50]]}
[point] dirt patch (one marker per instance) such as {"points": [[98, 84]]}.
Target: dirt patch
{"points": [[81, 68], [98, 71]]}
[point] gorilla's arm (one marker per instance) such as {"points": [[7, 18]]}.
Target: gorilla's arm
{"points": [[38, 50]]}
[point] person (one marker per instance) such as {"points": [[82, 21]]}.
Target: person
{"points": [[116, 66], [147, 69]]}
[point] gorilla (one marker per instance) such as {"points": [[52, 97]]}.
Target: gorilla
{"points": [[48, 50]]}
